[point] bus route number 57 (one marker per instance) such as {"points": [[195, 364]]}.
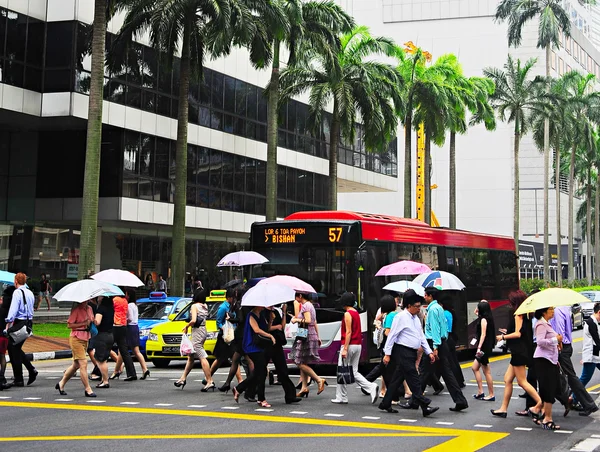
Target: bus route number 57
{"points": [[335, 235]]}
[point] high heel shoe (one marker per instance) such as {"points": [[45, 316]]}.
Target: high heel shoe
{"points": [[210, 386], [60, 391], [236, 395], [103, 386], [225, 388], [299, 385], [180, 384], [304, 393], [146, 374], [90, 394], [116, 375], [322, 384]]}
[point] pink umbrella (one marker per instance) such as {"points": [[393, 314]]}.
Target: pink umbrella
{"points": [[403, 268], [290, 281]]}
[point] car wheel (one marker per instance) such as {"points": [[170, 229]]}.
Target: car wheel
{"points": [[162, 363]]}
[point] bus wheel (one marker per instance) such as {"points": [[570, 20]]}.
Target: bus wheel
{"points": [[162, 363]]}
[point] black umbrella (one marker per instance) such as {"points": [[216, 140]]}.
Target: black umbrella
{"points": [[233, 283]]}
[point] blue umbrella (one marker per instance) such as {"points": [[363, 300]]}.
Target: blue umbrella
{"points": [[7, 277]]}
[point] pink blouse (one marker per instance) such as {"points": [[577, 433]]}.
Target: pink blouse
{"points": [[80, 315]]}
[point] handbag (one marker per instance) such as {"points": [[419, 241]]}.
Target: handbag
{"points": [[21, 329], [302, 333], [345, 373], [262, 341], [562, 389], [279, 337], [228, 332]]}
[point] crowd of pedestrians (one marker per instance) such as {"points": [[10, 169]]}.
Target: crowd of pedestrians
{"points": [[417, 349]]}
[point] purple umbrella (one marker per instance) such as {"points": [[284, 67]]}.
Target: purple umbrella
{"points": [[403, 268]]}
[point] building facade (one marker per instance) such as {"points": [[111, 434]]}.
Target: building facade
{"points": [[484, 167], [44, 67]]}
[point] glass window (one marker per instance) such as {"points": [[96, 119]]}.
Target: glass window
{"points": [[191, 195], [131, 153], [59, 36], [147, 155], [176, 76], [192, 163], [3, 13], [215, 168], [261, 133], [130, 186], [281, 177], [145, 189], [262, 106], [301, 186], [229, 94], [150, 68], [308, 183], [205, 88], [216, 120], [241, 92], [163, 106], [250, 131], [249, 204], [250, 176], [13, 73], [239, 164], [261, 206], [291, 184], [35, 42], [164, 79], [228, 121], [252, 103], [203, 166], [16, 35], [33, 79], [214, 200], [202, 197], [261, 177], [226, 200], [291, 117], [134, 96], [204, 117], [174, 108], [161, 159], [238, 202], [148, 101], [301, 116], [217, 92], [227, 183], [239, 127], [193, 112], [162, 191]]}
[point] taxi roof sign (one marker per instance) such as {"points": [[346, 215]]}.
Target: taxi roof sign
{"points": [[218, 293], [157, 296]]}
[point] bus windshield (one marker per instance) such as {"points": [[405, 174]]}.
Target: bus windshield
{"points": [[326, 268]]}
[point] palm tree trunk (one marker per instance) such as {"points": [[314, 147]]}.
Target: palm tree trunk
{"points": [[178, 251], [91, 182], [558, 234], [571, 214], [546, 180], [408, 165], [597, 232], [516, 194], [333, 156], [452, 202], [588, 260], [427, 178], [272, 130]]}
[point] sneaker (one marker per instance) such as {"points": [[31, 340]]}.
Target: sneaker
{"points": [[339, 402], [375, 394]]}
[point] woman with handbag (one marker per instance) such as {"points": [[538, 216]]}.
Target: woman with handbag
{"points": [[486, 340], [256, 340], [546, 365], [306, 346], [104, 341], [79, 323], [198, 314]]}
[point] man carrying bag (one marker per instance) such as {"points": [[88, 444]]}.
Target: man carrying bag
{"points": [[18, 328]]}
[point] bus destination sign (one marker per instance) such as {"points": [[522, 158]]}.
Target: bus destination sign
{"points": [[283, 235]]}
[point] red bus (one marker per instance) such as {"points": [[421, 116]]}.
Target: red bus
{"points": [[337, 251]]}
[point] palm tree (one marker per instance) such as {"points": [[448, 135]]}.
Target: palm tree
{"points": [[196, 28], [515, 99], [314, 24], [91, 181], [552, 21], [588, 178], [353, 84]]}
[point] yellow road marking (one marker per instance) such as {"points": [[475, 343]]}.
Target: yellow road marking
{"points": [[211, 436], [593, 388], [464, 440], [495, 382]]}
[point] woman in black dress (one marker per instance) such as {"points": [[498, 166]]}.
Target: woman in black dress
{"points": [[104, 341], [518, 336], [486, 340]]}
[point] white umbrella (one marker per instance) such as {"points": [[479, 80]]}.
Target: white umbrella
{"points": [[441, 280], [290, 281], [118, 278], [80, 291], [268, 294], [241, 258], [403, 286]]}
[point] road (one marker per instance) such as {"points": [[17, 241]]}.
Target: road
{"points": [[153, 415]]}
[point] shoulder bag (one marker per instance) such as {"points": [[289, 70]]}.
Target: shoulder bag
{"points": [[302, 333], [21, 329]]}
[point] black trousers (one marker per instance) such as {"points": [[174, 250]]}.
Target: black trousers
{"points": [[579, 391], [120, 335], [277, 355], [454, 360], [403, 363], [532, 380], [257, 377], [427, 369], [18, 359]]}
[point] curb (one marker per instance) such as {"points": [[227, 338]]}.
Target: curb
{"points": [[42, 356]]}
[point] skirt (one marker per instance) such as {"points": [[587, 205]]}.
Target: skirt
{"points": [[78, 347], [198, 339], [304, 352], [223, 351], [103, 344], [133, 336], [547, 374], [517, 360]]}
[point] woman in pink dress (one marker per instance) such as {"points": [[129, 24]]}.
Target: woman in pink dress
{"points": [[306, 350]]}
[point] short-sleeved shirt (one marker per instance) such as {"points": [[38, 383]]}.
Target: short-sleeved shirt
{"points": [[132, 314], [389, 318], [120, 306], [108, 314], [80, 315]]}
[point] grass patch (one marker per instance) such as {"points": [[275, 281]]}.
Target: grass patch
{"points": [[51, 330]]}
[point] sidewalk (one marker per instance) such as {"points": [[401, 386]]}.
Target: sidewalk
{"points": [[39, 348]]}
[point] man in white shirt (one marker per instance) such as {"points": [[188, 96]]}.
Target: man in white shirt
{"points": [[404, 340]]}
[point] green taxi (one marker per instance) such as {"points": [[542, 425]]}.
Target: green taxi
{"points": [[164, 340]]}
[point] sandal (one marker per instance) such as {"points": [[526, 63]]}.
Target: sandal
{"points": [[550, 425], [537, 421], [523, 413], [264, 404], [479, 396], [538, 415]]}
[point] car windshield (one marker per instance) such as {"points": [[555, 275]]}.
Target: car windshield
{"points": [[213, 307], [590, 295], [156, 310]]}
